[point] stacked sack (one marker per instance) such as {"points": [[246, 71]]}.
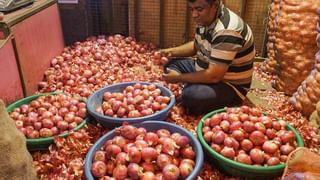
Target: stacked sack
{"points": [[270, 65], [315, 116], [295, 43], [308, 93]]}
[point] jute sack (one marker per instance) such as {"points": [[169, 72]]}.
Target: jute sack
{"points": [[15, 160], [302, 164]]}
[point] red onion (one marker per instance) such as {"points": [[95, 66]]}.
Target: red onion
{"points": [[244, 158], [228, 152], [163, 160], [171, 171], [120, 172], [98, 169]]}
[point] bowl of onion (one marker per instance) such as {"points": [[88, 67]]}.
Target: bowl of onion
{"points": [[147, 150], [131, 102], [41, 117], [246, 142]]}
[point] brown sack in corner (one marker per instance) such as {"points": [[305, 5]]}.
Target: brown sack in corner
{"points": [[15, 160], [302, 164]]}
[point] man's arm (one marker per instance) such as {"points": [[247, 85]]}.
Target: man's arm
{"points": [[213, 74], [185, 50]]}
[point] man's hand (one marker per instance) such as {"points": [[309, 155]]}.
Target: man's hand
{"points": [[171, 76], [166, 52]]}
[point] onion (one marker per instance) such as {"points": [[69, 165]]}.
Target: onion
{"points": [[225, 125], [260, 127], [286, 149], [267, 121], [148, 175], [257, 138], [257, 155], [235, 125], [288, 137], [215, 120], [244, 117], [134, 155], [149, 154], [120, 172], [45, 132], [271, 133], [231, 142], [98, 169], [171, 171], [120, 141], [128, 131], [182, 141], [168, 146], [151, 138], [208, 136], [244, 158], [185, 169], [122, 158], [218, 137], [112, 150], [238, 135], [148, 166], [163, 160], [163, 133], [269, 147], [216, 147], [276, 125], [273, 161], [134, 171], [249, 126], [246, 145], [188, 153], [99, 156], [228, 152]]}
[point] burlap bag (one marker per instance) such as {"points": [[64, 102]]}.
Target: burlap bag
{"points": [[302, 164], [15, 160]]}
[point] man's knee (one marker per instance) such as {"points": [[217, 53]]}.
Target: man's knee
{"points": [[198, 96]]}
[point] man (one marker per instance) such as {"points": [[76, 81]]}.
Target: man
{"points": [[224, 49]]}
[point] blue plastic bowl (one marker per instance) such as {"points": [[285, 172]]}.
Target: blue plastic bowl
{"points": [[150, 126], [95, 101]]}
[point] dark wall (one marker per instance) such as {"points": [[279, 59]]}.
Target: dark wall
{"points": [[75, 22], [93, 17]]}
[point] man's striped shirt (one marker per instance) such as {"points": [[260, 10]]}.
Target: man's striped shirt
{"points": [[227, 40]]}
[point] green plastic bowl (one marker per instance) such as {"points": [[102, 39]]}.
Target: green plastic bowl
{"points": [[41, 143], [239, 169]]}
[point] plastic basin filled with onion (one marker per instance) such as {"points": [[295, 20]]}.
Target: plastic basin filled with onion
{"points": [[131, 102], [247, 143], [147, 150], [41, 117]]}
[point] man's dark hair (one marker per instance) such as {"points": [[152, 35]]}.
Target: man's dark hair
{"points": [[208, 1]]}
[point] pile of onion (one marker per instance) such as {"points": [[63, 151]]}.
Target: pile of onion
{"points": [[49, 115], [136, 153], [246, 135], [134, 101], [99, 61]]}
